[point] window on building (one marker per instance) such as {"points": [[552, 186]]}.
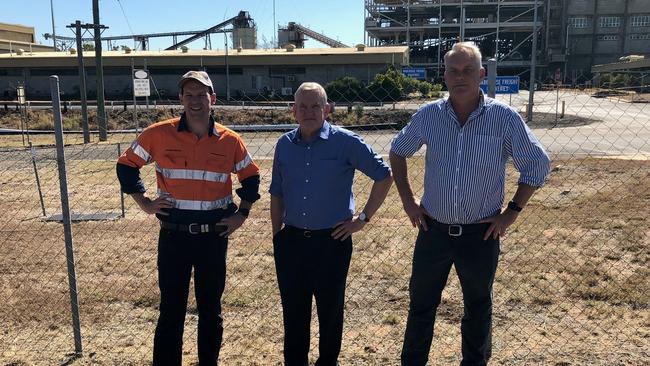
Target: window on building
{"points": [[609, 37], [222, 70], [283, 71], [610, 22], [67, 71], [579, 22], [257, 81], [640, 20], [637, 37]]}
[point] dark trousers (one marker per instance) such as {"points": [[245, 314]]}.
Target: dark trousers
{"points": [[178, 253], [311, 266], [475, 261]]}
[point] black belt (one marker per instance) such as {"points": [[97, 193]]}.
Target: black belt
{"points": [[457, 229], [193, 228], [306, 233]]}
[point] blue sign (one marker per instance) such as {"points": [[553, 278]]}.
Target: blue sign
{"points": [[504, 85], [415, 72]]}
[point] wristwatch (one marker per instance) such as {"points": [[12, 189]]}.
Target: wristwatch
{"points": [[363, 217], [244, 211], [514, 206]]}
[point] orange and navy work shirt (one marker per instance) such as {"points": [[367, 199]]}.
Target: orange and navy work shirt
{"points": [[195, 173]]}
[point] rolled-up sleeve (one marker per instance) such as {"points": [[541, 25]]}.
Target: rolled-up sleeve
{"points": [[528, 154], [365, 159], [409, 140], [249, 190]]}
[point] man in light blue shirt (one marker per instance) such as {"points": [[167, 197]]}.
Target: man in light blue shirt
{"points": [[469, 139], [313, 218]]}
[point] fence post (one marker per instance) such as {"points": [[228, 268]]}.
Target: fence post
{"points": [[26, 123], [65, 211], [38, 181], [119, 153], [492, 77]]}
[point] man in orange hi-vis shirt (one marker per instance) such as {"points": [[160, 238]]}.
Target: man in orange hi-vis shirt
{"points": [[194, 159]]}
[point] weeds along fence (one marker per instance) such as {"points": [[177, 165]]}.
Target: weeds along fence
{"points": [[572, 286]]}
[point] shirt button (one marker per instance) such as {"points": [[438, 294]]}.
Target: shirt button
{"points": [[308, 147], [304, 214], [307, 164], [304, 198], [306, 180]]}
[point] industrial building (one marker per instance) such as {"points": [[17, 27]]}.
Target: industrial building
{"points": [[249, 73], [14, 37], [572, 35], [241, 71]]}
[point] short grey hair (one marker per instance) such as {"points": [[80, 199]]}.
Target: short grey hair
{"points": [[311, 86], [468, 48]]}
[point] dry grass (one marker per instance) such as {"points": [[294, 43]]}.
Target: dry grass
{"points": [[571, 289]]}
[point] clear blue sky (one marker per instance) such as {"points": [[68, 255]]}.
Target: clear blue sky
{"points": [[338, 19]]}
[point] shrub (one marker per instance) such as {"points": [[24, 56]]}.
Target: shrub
{"points": [[436, 91], [345, 89], [410, 85], [384, 88]]}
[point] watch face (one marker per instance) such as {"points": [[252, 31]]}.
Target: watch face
{"points": [[514, 206], [363, 217]]}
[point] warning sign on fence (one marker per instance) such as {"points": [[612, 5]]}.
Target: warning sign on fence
{"points": [[141, 83]]}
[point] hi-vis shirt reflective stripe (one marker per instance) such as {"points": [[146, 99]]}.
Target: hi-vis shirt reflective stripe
{"points": [[195, 172], [198, 205], [243, 164], [141, 152]]}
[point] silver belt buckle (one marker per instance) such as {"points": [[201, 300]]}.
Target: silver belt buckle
{"points": [[455, 230], [189, 228], [201, 228]]}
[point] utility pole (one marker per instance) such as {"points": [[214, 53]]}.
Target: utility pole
{"points": [[99, 67], [533, 65], [82, 79], [566, 51], [53, 28], [225, 35]]}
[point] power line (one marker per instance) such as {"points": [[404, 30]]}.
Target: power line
{"points": [[125, 18]]}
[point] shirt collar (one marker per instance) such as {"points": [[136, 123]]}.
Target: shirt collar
{"points": [[482, 103], [182, 126], [323, 133]]}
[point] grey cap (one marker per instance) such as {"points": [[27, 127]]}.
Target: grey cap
{"points": [[200, 76]]}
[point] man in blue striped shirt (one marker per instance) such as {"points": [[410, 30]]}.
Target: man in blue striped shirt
{"points": [[469, 139], [311, 194]]}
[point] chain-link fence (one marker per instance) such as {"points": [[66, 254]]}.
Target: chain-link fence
{"points": [[572, 287]]}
